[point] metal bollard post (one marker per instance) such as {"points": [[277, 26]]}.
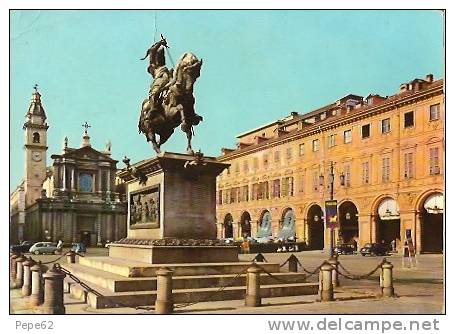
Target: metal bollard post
{"points": [[293, 263], [19, 280], [71, 257], [386, 280], [253, 288], [333, 261], [53, 291], [37, 295], [13, 268], [259, 258], [164, 303], [325, 283], [27, 284]]}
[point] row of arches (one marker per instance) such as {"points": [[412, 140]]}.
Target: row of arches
{"points": [[386, 223], [264, 228]]}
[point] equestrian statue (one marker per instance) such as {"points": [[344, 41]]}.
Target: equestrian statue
{"points": [[170, 102]]}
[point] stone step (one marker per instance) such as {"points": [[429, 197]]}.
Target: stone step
{"points": [[128, 268], [117, 283], [104, 298]]}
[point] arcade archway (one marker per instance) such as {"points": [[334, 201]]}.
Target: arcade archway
{"points": [[432, 224], [315, 227], [245, 224], [349, 223], [388, 221], [265, 225], [228, 230], [287, 226]]}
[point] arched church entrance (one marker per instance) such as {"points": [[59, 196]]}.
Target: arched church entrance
{"points": [[432, 229], [245, 224], [388, 221], [228, 230], [315, 227], [349, 223]]}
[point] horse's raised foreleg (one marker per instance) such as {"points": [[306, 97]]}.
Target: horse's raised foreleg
{"points": [[189, 135], [151, 135]]}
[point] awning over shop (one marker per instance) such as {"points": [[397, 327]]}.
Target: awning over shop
{"points": [[388, 209], [434, 204]]}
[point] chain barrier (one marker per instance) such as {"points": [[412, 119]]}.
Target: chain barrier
{"points": [[310, 273], [354, 277], [284, 263], [98, 294], [221, 288]]}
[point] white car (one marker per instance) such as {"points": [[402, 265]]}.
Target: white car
{"points": [[45, 248]]}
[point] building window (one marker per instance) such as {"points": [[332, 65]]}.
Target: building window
{"points": [[36, 138], [386, 169], [385, 125], [244, 193], [289, 153], [315, 181], [302, 183], [277, 157], [220, 197], [365, 131], [255, 163], [331, 140], [347, 136], [434, 112], [287, 188], [265, 161], [365, 172], [276, 188], [434, 161], [409, 119], [347, 174], [315, 145], [302, 149], [245, 166], [408, 165]]}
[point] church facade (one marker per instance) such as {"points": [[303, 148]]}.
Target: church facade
{"points": [[75, 199]]}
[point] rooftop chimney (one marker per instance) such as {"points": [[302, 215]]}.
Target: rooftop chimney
{"points": [[429, 77]]}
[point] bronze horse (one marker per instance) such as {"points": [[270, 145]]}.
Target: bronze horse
{"points": [[174, 107]]}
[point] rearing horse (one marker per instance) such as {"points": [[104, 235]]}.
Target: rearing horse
{"points": [[175, 106]]}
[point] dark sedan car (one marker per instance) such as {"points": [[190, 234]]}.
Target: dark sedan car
{"points": [[23, 247], [344, 249], [374, 249]]}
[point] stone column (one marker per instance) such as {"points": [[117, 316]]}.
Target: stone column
{"points": [[419, 231], [98, 229], [275, 227], [99, 180], [254, 228], [73, 179], [74, 236], [108, 186], [253, 287], [164, 302], [236, 229], [64, 185]]}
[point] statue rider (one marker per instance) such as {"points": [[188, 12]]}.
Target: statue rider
{"points": [[160, 73]]}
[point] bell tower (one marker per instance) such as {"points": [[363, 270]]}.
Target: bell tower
{"points": [[35, 128]]}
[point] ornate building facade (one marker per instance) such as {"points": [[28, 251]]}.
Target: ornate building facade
{"points": [[384, 157], [73, 200]]}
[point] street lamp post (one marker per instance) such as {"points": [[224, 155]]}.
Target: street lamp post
{"points": [[331, 191]]}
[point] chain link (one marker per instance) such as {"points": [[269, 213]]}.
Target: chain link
{"points": [[354, 277]]}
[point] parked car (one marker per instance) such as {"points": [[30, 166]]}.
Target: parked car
{"points": [[79, 247], [45, 248], [374, 249], [23, 247], [344, 249]]}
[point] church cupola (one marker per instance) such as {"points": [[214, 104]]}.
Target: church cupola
{"points": [[86, 137]]}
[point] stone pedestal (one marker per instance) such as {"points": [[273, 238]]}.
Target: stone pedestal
{"points": [[171, 211]]}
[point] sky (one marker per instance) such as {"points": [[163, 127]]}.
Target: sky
{"points": [[258, 66]]}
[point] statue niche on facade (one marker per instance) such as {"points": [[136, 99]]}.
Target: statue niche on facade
{"points": [[170, 102]]}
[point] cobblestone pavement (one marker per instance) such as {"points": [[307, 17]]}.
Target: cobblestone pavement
{"points": [[419, 290]]}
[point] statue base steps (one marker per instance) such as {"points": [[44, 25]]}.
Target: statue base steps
{"points": [[191, 283]]}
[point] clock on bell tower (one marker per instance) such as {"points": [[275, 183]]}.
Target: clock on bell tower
{"points": [[35, 128]]}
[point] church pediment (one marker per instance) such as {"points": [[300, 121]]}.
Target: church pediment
{"points": [[87, 153]]}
